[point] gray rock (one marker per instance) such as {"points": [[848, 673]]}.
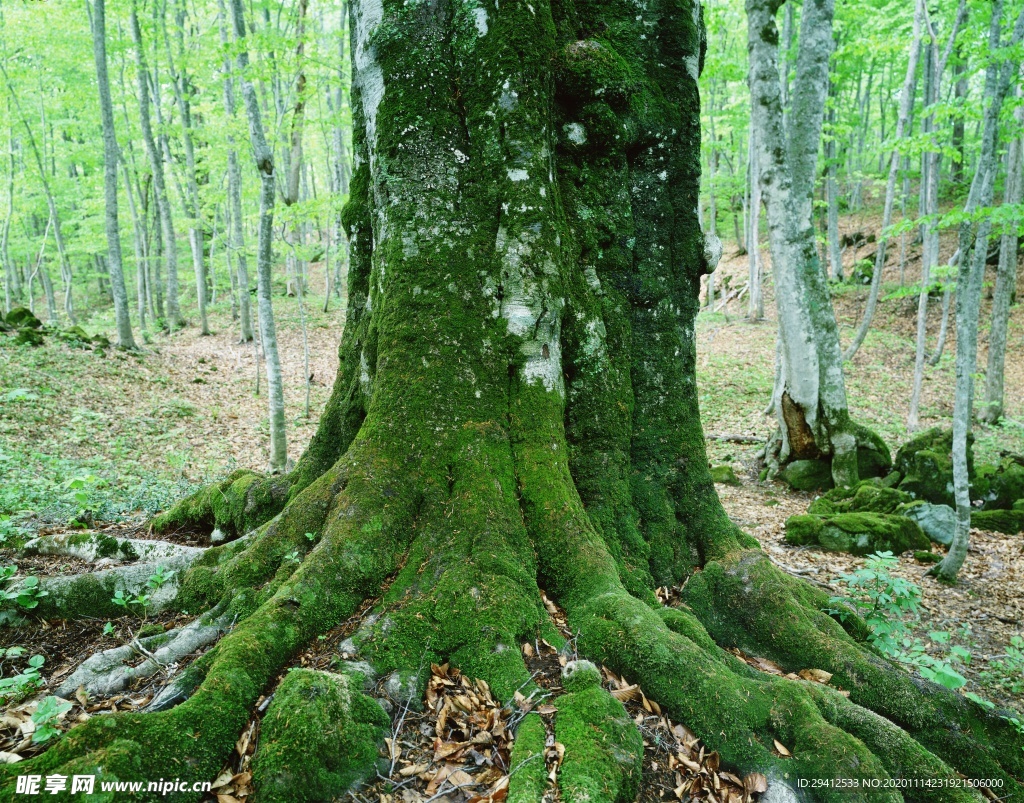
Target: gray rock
{"points": [[403, 689], [781, 791], [937, 521]]}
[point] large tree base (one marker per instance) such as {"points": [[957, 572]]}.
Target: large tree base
{"points": [[462, 546]]}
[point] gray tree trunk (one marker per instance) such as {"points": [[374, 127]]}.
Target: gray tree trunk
{"points": [[156, 163], [810, 398], [236, 233], [1006, 277], [969, 281], [834, 253], [12, 277], [115, 268], [755, 297], [265, 165], [906, 106]]}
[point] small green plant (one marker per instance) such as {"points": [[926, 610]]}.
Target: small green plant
{"points": [[889, 606], [143, 599], [108, 629], [1007, 672], [311, 537], [18, 687], [885, 602], [24, 597], [293, 556], [83, 489], [46, 717]]}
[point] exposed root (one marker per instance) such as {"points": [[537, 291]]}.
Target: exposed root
{"points": [[92, 594], [99, 548], [111, 671]]}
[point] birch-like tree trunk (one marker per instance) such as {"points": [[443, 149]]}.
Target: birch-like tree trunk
{"points": [[810, 396], [835, 256], [190, 197], [969, 280], [115, 268], [756, 297], [1006, 276], [265, 165], [236, 232], [156, 163], [906, 106]]}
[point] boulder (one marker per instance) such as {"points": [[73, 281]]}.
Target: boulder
{"points": [[937, 521], [867, 496], [1010, 522], [21, 318], [998, 486], [808, 475], [926, 464], [857, 533], [873, 456], [725, 475]]}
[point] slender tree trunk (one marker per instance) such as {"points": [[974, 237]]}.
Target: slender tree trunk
{"points": [[125, 339], [906, 106], [834, 253], [236, 238], [969, 280], [1006, 277], [265, 165], [190, 195], [956, 166], [156, 163], [12, 281], [51, 203], [810, 399], [756, 297]]}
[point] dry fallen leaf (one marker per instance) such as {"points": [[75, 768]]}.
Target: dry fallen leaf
{"points": [[783, 751]]}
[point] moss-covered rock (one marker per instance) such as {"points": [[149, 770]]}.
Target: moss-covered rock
{"points": [[868, 496], [1010, 522], [937, 521], [999, 486], [318, 738], [926, 464], [28, 337], [856, 533], [922, 556], [808, 475], [22, 318], [873, 456], [603, 748], [724, 475]]}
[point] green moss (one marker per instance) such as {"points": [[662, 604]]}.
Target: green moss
{"points": [[603, 748], [868, 496], [808, 475], [1005, 484], [528, 773], [926, 465], [922, 556], [873, 456], [725, 475], [857, 533], [318, 737], [1010, 522]]}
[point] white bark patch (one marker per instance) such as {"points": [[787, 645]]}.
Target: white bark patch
{"points": [[712, 251], [369, 77], [518, 175], [480, 15], [576, 133], [365, 383]]}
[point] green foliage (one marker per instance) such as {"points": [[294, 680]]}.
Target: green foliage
{"points": [[1007, 672], [142, 600], [18, 687], [46, 716], [24, 596]]}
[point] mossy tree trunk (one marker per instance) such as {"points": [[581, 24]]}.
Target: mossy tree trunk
{"points": [[516, 409]]}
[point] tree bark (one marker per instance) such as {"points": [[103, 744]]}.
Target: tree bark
{"points": [[968, 284], [264, 256], [156, 163], [810, 399], [111, 157], [516, 408], [236, 237], [906, 107], [1006, 278]]}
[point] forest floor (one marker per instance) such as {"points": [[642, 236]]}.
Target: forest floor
{"points": [[106, 439]]}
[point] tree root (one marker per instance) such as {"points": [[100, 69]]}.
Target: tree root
{"points": [[92, 594], [365, 533], [99, 548], [111, 671]]}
